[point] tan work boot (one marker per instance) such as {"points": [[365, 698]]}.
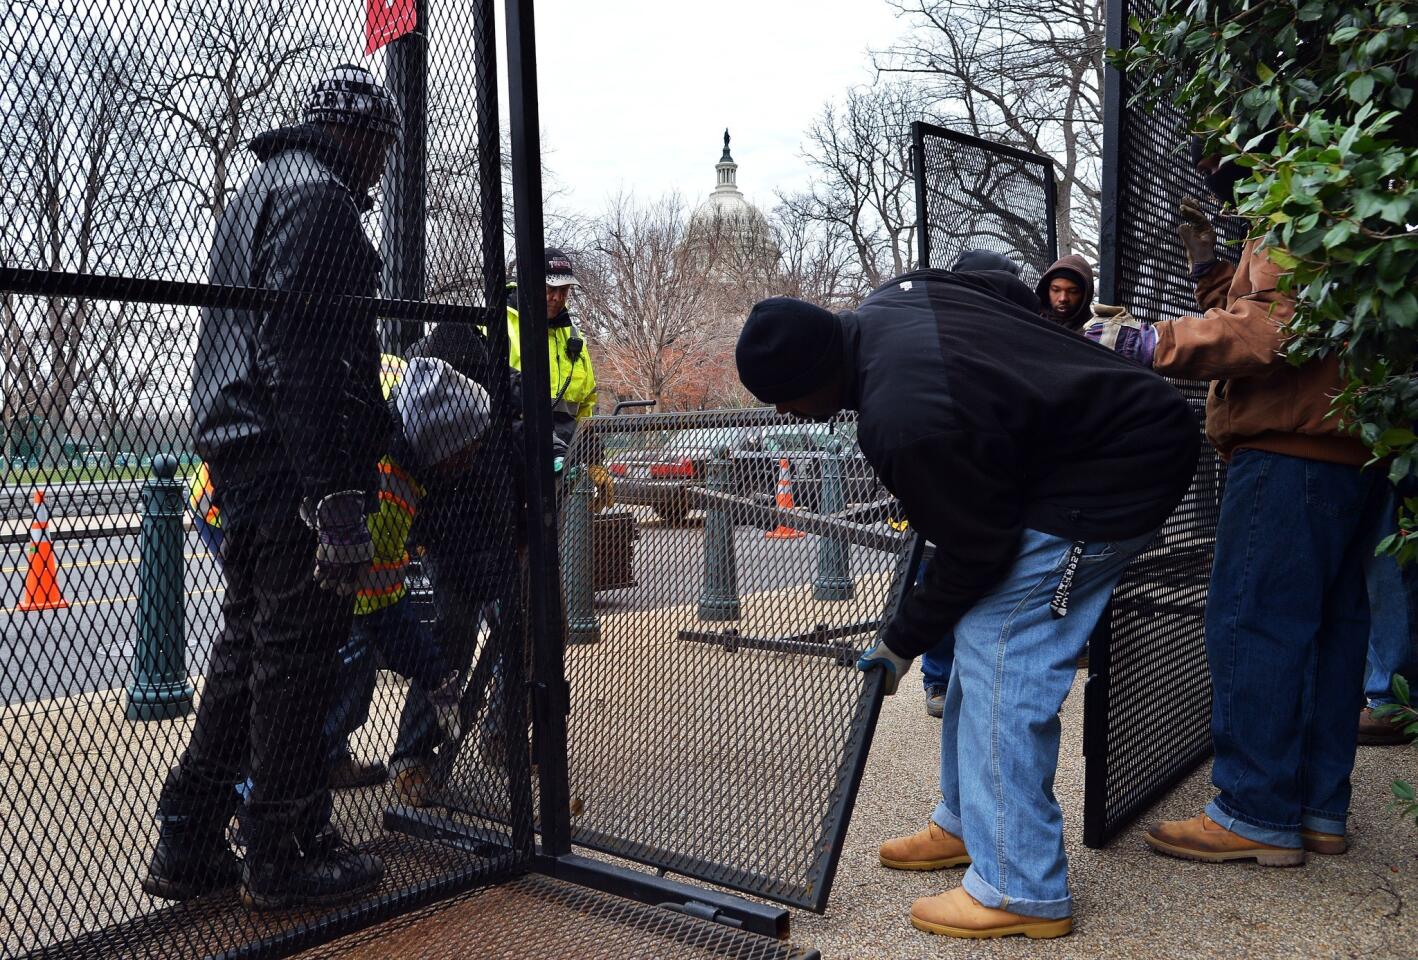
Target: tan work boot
{"points": [[413, 782], [930, 849], [1202, 838], [1325, 844], [957, 914], [1380, 731]]}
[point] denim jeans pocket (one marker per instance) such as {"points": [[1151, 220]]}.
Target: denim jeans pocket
{"points": [[1333, 489]]}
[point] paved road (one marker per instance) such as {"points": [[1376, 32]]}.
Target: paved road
{"points": [[89, 646]]}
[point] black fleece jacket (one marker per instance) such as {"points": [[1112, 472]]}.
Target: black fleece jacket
{"points": [[985, 420]]}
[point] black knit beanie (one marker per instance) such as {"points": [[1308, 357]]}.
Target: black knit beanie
{"points": [[972, 260], [788, 348]]}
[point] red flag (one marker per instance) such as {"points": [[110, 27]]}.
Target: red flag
{"points": [[388, 20]]}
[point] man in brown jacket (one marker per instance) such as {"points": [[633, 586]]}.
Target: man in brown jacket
{"points": [[1287, 616]]}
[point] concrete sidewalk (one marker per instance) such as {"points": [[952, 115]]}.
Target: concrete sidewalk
{"points": [[78, 785], [1129, 902]]}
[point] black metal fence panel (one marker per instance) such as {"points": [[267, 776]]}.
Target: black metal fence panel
{"points": [[201, 435], [718, 726], [974, 194], [1148, 700]]}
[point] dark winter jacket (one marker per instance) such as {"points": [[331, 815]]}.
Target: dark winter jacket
{"points": [[292, 393], [985, 420], [1075, 268]]}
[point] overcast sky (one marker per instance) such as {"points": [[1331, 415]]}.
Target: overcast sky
{"points": [[635, 94]]}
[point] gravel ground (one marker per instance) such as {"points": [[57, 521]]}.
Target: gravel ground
{"points": [[1129, 902]]}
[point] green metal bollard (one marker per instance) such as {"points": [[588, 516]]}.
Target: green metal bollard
{"points": [[160, 690], [578, 569], [834, 564], [719, 598]]}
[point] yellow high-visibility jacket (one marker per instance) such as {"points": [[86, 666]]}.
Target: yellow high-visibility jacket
{"points": [[580, 397]]}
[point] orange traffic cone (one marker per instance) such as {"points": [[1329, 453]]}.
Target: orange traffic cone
{"points": [[784, 500], [42, 573]]}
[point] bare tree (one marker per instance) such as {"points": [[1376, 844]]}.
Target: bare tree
{"points": [[653, 300], [85, 202], [237, 70], [860, 152], [814, 260], [1028, 72]]}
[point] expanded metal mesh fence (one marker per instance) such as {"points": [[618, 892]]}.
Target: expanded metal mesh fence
{"points": [[535, 918], [718, 724], [974, 194], [214, 481], [1148, 705]]}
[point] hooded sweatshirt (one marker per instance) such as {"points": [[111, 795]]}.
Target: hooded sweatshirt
{"points": [[1075, 268], [440, 413], [984, 421]]}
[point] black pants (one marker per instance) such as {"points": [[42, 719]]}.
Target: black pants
{"points": [[271, 682], [461, 601]]}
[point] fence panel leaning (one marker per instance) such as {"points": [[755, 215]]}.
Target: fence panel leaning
{"points": [[1148, 703], [191, 290], [974, 194], [719, 726]]}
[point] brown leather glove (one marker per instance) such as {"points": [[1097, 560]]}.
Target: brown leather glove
{"points": [[1198, 236]]}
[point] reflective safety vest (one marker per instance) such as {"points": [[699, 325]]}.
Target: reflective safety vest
{"points": [[382, 584], [579, 400]]}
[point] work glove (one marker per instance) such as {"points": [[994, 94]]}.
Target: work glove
{"points": [[1198, 237], [1122, 333], [344, 549], [605, 496], [880, 657]]}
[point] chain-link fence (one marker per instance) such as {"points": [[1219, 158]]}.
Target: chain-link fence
{"points": [[974, 194], [214, 483], [1148, 707]]}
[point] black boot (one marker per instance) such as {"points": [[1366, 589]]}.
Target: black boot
{"points": [[325, 870], [192, 858]]}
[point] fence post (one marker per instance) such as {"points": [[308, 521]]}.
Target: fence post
{"points": [[160, 690], [719, 598], [578, 566], [834, 571]]}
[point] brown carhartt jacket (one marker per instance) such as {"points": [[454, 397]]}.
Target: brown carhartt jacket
{"points": [[1258, 399]]}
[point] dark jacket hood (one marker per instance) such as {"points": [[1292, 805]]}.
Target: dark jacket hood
{"points": [[320, 145], [1074, 268]]}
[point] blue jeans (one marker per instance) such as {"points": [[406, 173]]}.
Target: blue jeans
{"points": [[1287, 625], [935, 663], [1393, 614], [999, 740]]}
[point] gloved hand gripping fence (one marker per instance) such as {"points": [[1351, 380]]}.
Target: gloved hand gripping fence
{"points": [[881, 657], [344, 549], [1121, 332], [1198, 237]]}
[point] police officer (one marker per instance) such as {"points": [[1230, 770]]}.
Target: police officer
{"points": [[573, 382]]}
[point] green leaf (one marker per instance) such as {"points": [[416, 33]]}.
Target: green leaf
{"points": [[1400, 689], [1339, 233], [1403, 790], [1397, 437], [1361, 88], [1343, 35], [1265, 73]]}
